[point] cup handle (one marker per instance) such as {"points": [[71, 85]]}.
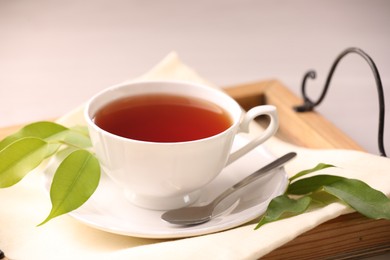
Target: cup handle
{"points": [[244, 127]]}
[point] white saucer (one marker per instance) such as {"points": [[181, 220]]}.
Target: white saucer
{"points": [[108, 209]]}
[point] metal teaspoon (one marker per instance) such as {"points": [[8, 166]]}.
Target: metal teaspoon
{"points": [[200, 214]]}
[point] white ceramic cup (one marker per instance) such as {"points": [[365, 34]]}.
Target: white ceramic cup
{"points": [[162, 176]]}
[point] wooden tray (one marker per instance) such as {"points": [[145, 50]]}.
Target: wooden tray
{"points": [[346, 237], [349, 236]]}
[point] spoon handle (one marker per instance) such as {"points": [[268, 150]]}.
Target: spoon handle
{"points": [[252, 177]]}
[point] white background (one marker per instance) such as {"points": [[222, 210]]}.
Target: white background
{"points": [[55, 54]]}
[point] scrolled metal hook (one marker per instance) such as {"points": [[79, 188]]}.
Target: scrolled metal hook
{"points": [[309, 105]]}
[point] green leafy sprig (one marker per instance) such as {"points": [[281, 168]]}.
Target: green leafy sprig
{"points": [[76, 177], [303, 194]]}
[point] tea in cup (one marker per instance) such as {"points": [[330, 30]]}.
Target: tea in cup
{"points": [[163, 141]]}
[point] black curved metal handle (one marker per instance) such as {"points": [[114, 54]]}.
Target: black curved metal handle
{"points": [[309, 105]]}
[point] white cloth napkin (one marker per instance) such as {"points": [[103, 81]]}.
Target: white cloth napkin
{"points": [[27, 204]]}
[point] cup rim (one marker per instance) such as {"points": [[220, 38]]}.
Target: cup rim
{"points": [[91, 123]]}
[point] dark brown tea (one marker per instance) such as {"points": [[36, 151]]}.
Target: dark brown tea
{"points": [[163, 118]]}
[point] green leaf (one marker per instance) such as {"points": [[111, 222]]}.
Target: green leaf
{"points": [[282, 207], [42, 129], [72, 138], [361, 197], [74, 182], [319, 167], [322, 190], [322, 198], [311, 184], [19, 158], [82, 129]]}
